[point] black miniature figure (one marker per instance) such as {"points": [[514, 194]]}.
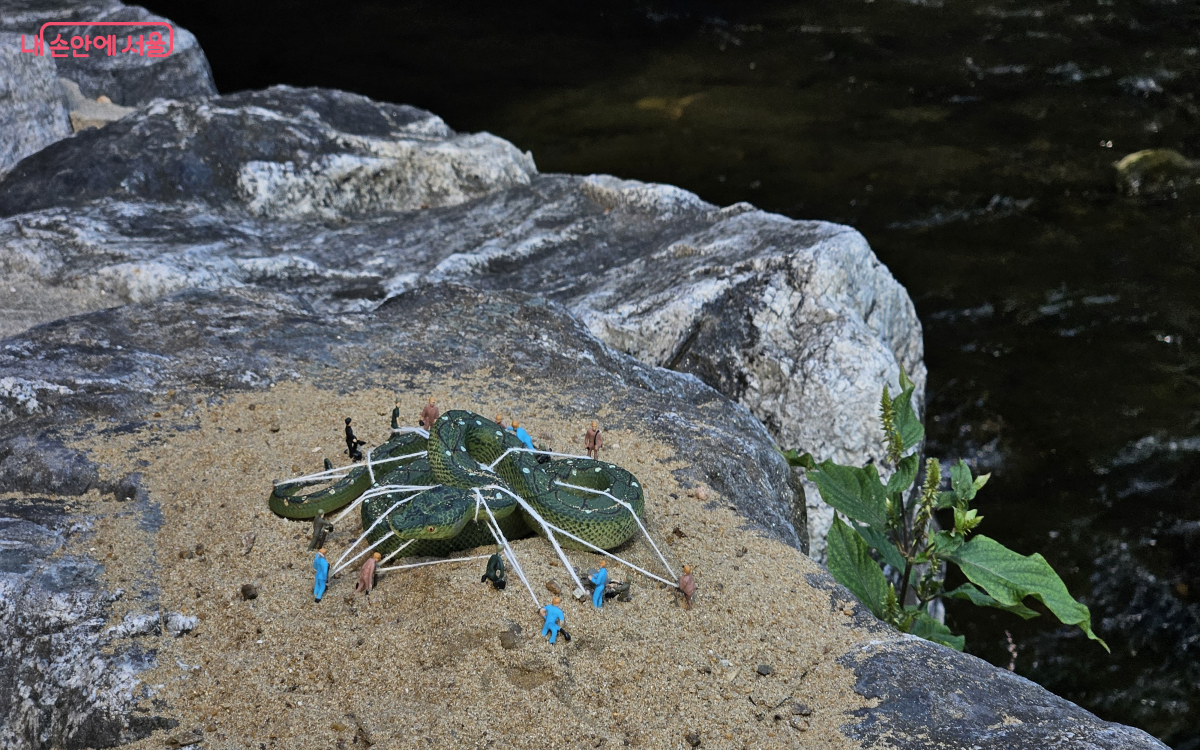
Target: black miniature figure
{"points": [[352, 443], [396, 416], [495, 572]]}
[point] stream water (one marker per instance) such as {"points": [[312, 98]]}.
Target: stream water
{"points": [[972, 143]]}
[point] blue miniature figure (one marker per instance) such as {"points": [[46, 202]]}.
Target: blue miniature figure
{"points": [[600, 579], [522, 435], [555, 618], [321, 565]]}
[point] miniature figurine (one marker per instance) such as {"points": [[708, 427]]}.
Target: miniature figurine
{"points": [[522, 435], [328, 465], [321, 565], [687, 586], [555, 619], [366, 576], [500, 421], [321, 529], [396, 416], [600, 579], [592, 441], [352, 443], [429, 414], [495, 572]]}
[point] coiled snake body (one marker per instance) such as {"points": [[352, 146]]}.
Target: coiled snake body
{"points": [[449, 517]]}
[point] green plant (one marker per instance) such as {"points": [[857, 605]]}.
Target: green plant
{"points": [[890, 525]]}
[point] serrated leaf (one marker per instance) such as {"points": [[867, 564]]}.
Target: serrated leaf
{"points": [[879, 540], [905, 475], [967, 592], [907, 424], [930, 629], [1009, 577], [981, 480], [851, 565], [857, 493], [803, 460], [960, 481]]}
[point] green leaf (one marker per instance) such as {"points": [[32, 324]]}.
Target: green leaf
{"points": [[944, 500], [906, 474], [857, 493], [851, 565], [981, 480], [965, 520], [961, 482], [930, 629], [1009, 577], [803, 460], [907, 424], [879, 540], [967, 592], [945, 543]]}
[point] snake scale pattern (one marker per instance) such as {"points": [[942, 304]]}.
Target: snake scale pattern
{"points": [[447, 518]]}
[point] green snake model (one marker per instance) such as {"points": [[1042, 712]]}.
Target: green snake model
{"points": [[453, 462]]}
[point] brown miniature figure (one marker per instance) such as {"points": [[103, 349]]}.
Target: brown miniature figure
{"points": [[429, 414], [687, 586], [500, 421], [321, 529], [592, 441], [366, 576]]}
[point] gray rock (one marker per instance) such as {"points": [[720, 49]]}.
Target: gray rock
{"points": [[203, 343], [930, 695], [126, 78], [31, 112], [64, 680], [312, 192], [137, 623]]}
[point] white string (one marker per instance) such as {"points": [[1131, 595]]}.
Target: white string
{"points": [[370, 471], [569, 535], [329, 474], [545, 527], [418, 430], [350, 562], [377, 522], [498, 535], [377, 492], [492, 465], [635, 518], [432, 562], [396, 551]]}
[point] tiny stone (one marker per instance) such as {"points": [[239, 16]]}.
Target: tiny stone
{"points": [[275, 427], [742, 552], [249, 591], [186, 554], [693, 738], [553, 588], [799, 724], [764, 669], [800, 708]]}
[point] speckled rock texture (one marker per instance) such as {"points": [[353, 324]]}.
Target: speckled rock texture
{"points": [[344, 203], [126, 78], [32, 115]]}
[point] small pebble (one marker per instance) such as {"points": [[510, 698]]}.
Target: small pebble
{"points": [[509, 640], [275, 427], [799, 724], [764, 669], [249, 591], [102, 99], [742, 552], [186, 554], [553, 588], [248, 542], [801, 709], [693, 738]]}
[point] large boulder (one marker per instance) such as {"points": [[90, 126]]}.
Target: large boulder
{"points": [[345, 203], [126, 78], [171, 387], [32, 115]]}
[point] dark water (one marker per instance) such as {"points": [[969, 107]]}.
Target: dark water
{"points": [[969, 142]]}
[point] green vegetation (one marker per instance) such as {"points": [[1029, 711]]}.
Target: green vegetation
{"points": [[889, 525]]}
